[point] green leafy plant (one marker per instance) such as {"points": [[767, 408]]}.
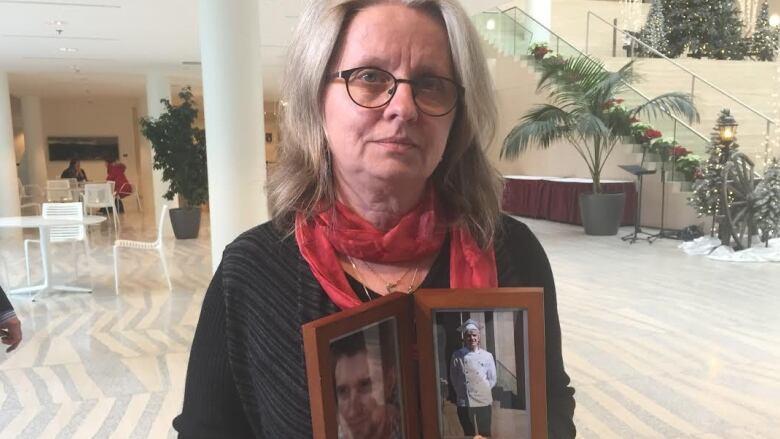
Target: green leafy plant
{"points": [[180, 150], [688, 166], [662, 146], [584, 112]]}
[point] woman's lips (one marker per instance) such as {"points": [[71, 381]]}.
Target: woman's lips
{"points": [[396, 143]]}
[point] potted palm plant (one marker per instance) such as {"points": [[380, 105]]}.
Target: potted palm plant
{"points": [[585, 111], [180, 152]]}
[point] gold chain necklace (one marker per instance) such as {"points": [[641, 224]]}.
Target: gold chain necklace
{"points": [[389, 286], [360, 277]]}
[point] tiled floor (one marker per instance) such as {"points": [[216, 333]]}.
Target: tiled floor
{"points": [[658, 344]]}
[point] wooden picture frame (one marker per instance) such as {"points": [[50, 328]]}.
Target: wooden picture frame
{"points": [[528, 331], [321, 335], [516, 316]]}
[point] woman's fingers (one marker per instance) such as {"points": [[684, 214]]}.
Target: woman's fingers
{"points": [[12, 333]]}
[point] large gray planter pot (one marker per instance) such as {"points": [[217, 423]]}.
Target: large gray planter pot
{"points": [[601, 213], [185, 222]]}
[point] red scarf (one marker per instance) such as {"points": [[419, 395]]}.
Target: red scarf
{"points": [[417, 235]]}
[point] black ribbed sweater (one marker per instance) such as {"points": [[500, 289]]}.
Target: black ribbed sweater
{"points": [[247, 376]]}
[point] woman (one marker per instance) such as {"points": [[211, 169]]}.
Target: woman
{"points": [[74, 171], [115, 171], [381, 185]]}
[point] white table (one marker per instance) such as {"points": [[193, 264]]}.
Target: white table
{"points": [[43, 225]]}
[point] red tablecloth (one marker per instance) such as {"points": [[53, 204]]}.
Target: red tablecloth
{"points": [[557, 199]]}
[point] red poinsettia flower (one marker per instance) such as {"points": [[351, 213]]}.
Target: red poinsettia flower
{"points": [[540, 52], [679, 151], [651, 134]]}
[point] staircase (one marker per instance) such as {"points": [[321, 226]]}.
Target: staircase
{"points": [[509, 34], [748, 97]]}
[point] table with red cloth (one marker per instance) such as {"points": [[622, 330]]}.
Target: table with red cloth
{"points": [[557, 199]]}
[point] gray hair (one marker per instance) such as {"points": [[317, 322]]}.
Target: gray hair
{"points": [[467, 185]]}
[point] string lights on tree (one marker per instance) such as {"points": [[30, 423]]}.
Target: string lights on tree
{"points": [[767, 197], [705, 28], [654, 32], [764, 41], [707, 199]]}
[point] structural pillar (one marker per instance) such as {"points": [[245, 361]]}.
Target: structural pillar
{"points": [[34, 159], [233, 108], [541, 10], [9, 191], [158, 87]]}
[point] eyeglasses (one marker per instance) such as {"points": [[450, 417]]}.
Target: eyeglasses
{"points": [[371, 87]]}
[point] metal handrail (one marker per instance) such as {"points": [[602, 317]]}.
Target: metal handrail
{"points": [[677, 120], [694, 75]]}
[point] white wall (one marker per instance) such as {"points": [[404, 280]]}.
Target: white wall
{"points": [[102, 117]]}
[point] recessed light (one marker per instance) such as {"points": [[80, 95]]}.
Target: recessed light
{"points": [[56, 23], [68, 49]]}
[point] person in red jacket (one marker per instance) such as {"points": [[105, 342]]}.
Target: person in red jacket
{"points": [[122, 186]]}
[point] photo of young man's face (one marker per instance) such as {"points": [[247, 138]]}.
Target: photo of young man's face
{"points": [[366, 385]]}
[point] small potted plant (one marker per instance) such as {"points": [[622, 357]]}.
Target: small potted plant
{"points": [[662, 147], [539, 50], [180, 152], [553, 58], [643, 133], [688, 168]]}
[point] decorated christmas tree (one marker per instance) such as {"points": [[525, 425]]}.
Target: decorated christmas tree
{"points": [[768, 202], [707, 28], [716, 30], [654, 32], [676, 19], [706, 198], [763, 42]]}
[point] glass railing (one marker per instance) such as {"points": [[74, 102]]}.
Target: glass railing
{"points": [[616, 46], [512, 31], [507, 382]]}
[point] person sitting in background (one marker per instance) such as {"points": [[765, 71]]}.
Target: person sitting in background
{"points": [[122, 187], [74, 171]]}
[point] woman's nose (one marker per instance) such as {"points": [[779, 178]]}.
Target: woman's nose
{"points": [[402, 103]]}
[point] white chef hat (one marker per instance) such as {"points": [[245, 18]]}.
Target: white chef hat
{"points": [[469, 325]]}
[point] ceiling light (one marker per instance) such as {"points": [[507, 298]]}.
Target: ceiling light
{"points": [[56, 23], [68, 49]]}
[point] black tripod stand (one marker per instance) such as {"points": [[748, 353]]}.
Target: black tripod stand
{"points": [[663, 233], [639, 172]]}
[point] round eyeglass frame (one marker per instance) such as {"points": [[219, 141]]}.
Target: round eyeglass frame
{"points": [[346, 74]]}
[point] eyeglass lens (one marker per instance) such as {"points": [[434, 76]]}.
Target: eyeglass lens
{"points": [[372, 88]]}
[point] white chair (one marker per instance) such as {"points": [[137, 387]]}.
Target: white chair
{"points": [[140, 245], [58, 234], [58, 191], [133, 193], [28, 196], [101, 196], [74, 189]]}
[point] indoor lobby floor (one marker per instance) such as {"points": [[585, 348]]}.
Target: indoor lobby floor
{"points": [[658, 344]]}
